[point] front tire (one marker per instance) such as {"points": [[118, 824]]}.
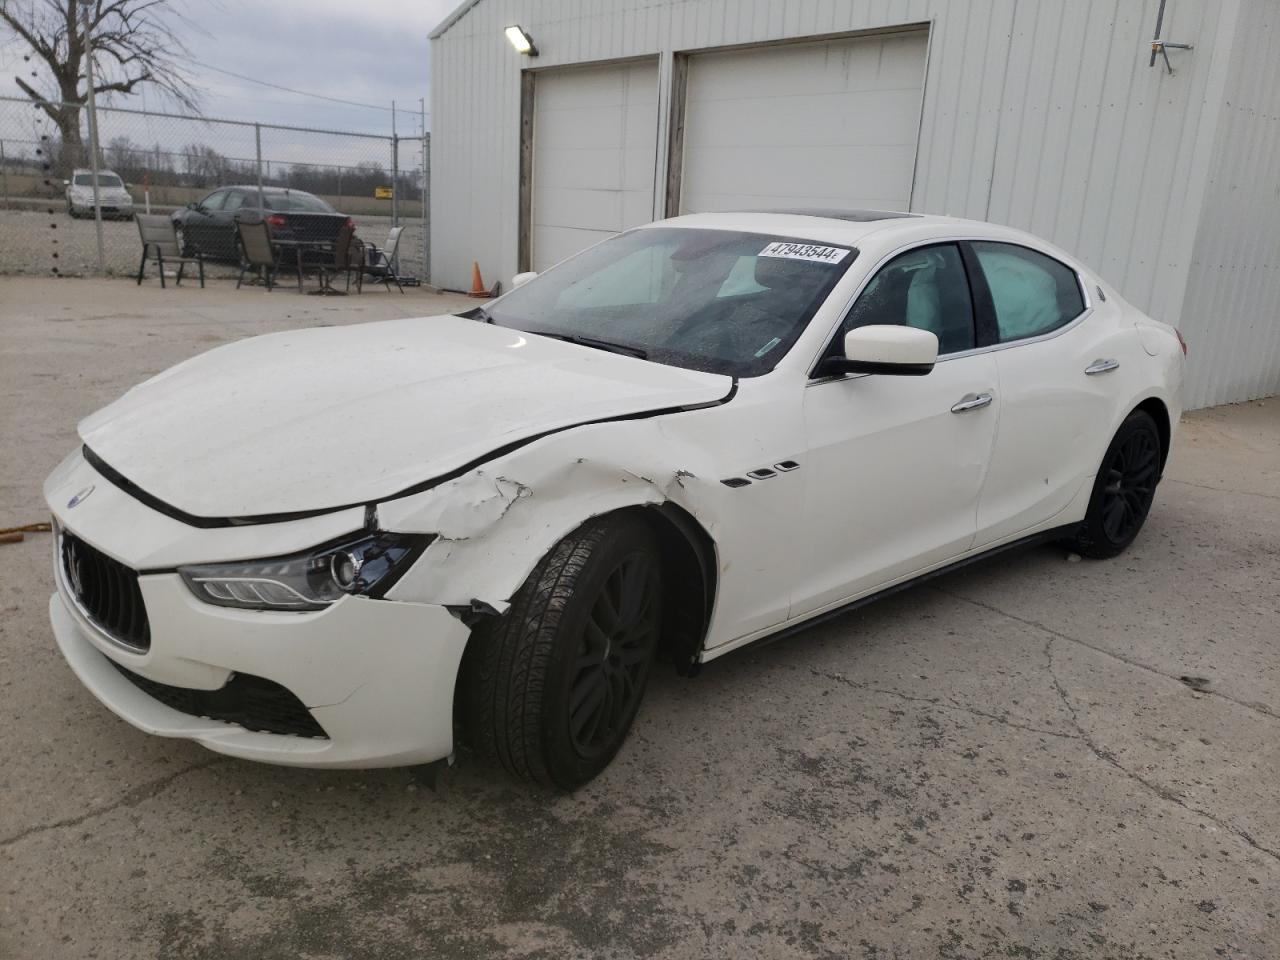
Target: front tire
{"points": [[1123, 489], [551, 688]]}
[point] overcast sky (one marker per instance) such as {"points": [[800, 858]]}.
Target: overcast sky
{"points": [[372, 51]]}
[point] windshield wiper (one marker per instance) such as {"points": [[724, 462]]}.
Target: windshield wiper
{"points": [[607, 345], [476, 313]]}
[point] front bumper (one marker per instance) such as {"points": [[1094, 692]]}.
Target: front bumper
{"points": [[377, 675], [110, 208]]}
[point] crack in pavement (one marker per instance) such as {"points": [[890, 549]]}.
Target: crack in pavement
{"points": [[130, 798], [1259, 708], [938, 702], [1241, 493], [1110, 758], [1101, 752]]}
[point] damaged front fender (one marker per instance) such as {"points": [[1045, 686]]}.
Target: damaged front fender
{"points": [[495, 523]]}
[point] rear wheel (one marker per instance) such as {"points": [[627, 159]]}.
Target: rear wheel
{"points": [[1123, 490], [551, 688]]}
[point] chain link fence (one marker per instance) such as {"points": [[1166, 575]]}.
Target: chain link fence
{"points": [[167, 161]]}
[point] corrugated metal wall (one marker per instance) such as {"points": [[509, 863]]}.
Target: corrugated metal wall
{"points": [[1232, 311], [1044, 116]]}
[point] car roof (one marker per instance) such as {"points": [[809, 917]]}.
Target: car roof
{"points": [[855, 227], [254, 188]]}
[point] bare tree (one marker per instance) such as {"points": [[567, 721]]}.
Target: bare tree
{"points": [[133, 44]]}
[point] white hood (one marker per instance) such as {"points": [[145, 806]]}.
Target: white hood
{"points": [[320, 418]]}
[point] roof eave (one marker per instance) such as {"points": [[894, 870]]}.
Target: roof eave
{"points": [[459, 12]]}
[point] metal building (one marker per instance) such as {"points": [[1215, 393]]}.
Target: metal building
{"points": [[1158, 167]]}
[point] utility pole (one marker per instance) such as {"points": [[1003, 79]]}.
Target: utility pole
{"points": [[93, 137], [395, 169], [257, 141], [395, 186], [426, 184]]}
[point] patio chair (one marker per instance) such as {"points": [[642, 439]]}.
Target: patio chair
{"points": [[160, 243], [257, 251], [348, 258], [379, 264]]}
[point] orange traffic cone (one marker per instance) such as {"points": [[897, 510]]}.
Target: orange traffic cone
{"points": [[477, 285]]}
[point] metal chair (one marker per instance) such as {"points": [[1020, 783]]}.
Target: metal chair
{"points": [[380, 263], [348, 258], [257, 250], [160, 243]]}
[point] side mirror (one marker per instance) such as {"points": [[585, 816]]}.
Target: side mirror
{"points": [[886, 350], [520, 279], [193, 204]]}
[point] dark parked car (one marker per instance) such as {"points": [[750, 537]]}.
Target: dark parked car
{"points": [[209, 225]]}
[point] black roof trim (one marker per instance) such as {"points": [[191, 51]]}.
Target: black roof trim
{"points": [[856, 216]]}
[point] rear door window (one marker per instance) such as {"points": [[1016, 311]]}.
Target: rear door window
{"points": [[1033, 294]]}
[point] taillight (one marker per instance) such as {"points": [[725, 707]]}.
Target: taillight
{"points": [[1181, 340], [276, 220]]}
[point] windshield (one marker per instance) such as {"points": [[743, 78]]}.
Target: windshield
{"points": [[713, 300], [104, 180], [296, 203]]}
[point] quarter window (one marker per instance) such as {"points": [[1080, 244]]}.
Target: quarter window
{"points": [[1033, 294], [925, 288]]}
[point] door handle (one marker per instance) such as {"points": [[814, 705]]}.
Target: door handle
{"points": [[972, 401], [1101, 366]]}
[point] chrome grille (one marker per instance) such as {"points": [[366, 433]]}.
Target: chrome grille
{"points": [[107, 592]]}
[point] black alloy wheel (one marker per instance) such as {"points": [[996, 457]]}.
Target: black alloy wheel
{"points": [[551, 688], [616, 647], [1130, 484], [1124, 488]]}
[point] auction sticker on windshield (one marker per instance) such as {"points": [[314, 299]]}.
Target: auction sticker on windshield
{"points": [[804, 251]]}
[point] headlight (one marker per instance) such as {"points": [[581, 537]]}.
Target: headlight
{"points": [[366, 565]]}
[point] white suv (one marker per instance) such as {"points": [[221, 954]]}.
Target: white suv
{"points": [[112, 195]]}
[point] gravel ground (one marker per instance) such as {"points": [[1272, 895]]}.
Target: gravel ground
{"points": [[36, 241], [1005, 762]]}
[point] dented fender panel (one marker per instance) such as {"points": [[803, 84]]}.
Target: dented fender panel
{"points": [[495, 523]]}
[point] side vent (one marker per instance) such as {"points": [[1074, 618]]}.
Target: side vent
{"points": [[762, 473]]}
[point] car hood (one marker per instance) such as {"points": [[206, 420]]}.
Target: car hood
{"points": [[314, 419]]}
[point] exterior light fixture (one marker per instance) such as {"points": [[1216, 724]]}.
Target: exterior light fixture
{"points": [[521, 41]]}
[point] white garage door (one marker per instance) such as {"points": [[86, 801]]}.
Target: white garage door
{"points": [[595, 135], [832, 123]]}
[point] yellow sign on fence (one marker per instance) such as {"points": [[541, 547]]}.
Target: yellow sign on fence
{"points": [[382, 193]]}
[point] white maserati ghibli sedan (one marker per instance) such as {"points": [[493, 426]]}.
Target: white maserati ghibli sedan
{"points": [[346, 546]]}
